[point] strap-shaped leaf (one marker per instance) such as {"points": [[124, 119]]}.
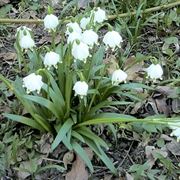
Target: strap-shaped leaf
{"points": [[88, 133], [80, 151], [78, 136], [62, 133], [43, 102], [24, 120], [100, 153]]}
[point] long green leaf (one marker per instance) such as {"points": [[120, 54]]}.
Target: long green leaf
{"points": [[62, 133], [80, 151], [24, 120], [43, 102], [51, 166], [88, 133], [100, 153]]}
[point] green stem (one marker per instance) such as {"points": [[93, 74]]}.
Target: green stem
{"points": [[110, 17]]}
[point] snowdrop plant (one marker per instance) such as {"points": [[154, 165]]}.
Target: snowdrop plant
{"points": [[67, 99]]}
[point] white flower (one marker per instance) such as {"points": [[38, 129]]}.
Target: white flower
{"points": [[33, 82], [84, 22], [80, 51], [155, 71], [80, 88], [112, 39], [175, 130], [74, 36], [99, 15], [22, 31], [51, 59], [73, 27], [90, 37], [118, 76], [51, 22], [26, 42]]}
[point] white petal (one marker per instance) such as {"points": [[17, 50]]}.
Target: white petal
{"points": [[51, 21]]}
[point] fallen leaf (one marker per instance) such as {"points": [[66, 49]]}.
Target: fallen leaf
{"points": [[3, 2], [176, 105], [78, 171], [8, 56], [133, 68], [128, 176], [174, 147], [68, 158], [162, 105]]}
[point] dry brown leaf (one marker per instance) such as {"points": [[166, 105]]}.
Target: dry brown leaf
{"points": [[8, 56], [129, 177], [151, 151], [45, 143], [162, 106], [174, 147], [78, 171], [4, 2], [176, 105], [108, 177], [166, 90], [111, 63], [133, 69], [68, 158]]}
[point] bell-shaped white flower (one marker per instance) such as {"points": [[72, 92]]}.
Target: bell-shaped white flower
{"points": [[74, 36], [81, 88], [175, 130], [22, 31], [112, 39], [26, 42], [33, 82], [73, 27], [90, 37], [80, 51], [84, 22], [118, 76], [51, 22], [155, 71], [51, 59], [99, 15]]}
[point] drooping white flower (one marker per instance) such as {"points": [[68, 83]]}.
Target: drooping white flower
{"points": [[84, 22], [51, 22], [51, 59], [33, 82], [74, 36], [112, 39], [22, 31], [90, 37], [73, 27], [118, 76], [80, 51], [26, 42], [99, 15], [154, 71], [81, 88], [175, 130]]}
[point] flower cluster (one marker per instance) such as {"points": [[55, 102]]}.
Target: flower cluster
{"points": [[81, 38]]}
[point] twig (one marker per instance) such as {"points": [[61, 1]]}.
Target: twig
{"points": [[110, 17], [157, 8]]}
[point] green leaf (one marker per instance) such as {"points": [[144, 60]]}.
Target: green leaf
{"points": [[24, 120], [80, 151], [88, 133], [62, 133], [100, 153], [135, 85], [78, 136], [43, 102]]}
